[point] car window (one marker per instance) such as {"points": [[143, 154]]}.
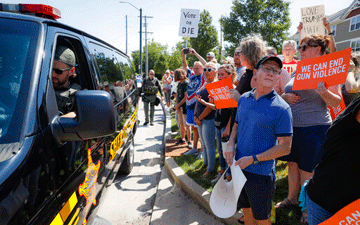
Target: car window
{"points": [[18, 41]]}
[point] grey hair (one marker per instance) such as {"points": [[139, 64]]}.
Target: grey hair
{"points": [[289, 42], [253, 48], [271, 50]]}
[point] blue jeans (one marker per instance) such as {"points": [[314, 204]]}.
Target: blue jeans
{"points": [[316, 213], [222, 160], [207, 136]]}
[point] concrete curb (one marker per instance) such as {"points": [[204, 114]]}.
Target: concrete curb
{"points": [[199, 194]]}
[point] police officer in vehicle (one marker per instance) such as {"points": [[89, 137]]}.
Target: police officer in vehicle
{"points": [[150, 88], [63, 69]]}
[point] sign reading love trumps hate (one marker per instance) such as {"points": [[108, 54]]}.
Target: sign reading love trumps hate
{"points": [[312, 19], [189, 22], [332, 69]]}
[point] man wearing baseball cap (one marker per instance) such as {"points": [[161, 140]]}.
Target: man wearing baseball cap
{"points": [[63, 69], [210, 56], [264, 132]]}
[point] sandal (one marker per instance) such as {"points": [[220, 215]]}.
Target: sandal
{"points": [[284, 203], [304, 217]]}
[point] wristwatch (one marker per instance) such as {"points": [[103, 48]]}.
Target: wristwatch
{"points": [[255, 160]]}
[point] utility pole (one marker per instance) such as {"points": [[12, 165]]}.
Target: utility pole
{"points": [[146, 46], [140, 32], [141, 41], [126, 36]]}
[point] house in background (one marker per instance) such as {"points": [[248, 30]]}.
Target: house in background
{"points": [[346, 27]]}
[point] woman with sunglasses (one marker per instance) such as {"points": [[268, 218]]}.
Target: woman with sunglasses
{"points": [[311, 120], [204, 118], [351, 88]]}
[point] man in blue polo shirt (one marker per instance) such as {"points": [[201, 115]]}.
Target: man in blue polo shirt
{"points": [[264, 133]]}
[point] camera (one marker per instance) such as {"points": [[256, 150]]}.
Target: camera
{"points": [[186, 51]]}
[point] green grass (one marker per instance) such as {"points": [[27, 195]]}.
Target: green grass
{"points": [[287, 215]]}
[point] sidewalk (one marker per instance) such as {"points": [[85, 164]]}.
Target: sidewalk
{"points": [[199, 194]]}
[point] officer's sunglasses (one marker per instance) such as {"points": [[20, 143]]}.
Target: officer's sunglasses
{"points": [[60, 71]]}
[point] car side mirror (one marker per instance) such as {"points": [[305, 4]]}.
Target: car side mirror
{"points": [[95, 117]]}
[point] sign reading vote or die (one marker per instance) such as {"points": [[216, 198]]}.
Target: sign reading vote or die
{"points": [[189, 21], [312, 19]]}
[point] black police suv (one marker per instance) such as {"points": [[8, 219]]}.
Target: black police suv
{"points": [[54, 169]]}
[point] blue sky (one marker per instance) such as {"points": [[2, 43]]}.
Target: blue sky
{"points": [[105, 19]]}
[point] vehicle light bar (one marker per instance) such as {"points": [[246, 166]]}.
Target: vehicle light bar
{"points": [[40, 10]]}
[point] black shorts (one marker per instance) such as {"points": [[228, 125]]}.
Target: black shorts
{"points": [[257, 194]]}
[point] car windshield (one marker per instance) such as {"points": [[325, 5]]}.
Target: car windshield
{"points": [[18, 41]]}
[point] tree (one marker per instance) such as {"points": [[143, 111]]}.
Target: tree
{"points": [[158, 58], [207, 39], [269, 18]]}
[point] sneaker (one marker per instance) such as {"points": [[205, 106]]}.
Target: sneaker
{"points": [[191, 152], [146, 123], [215, 180], [200, 155], [189, 144], [180, 142]]}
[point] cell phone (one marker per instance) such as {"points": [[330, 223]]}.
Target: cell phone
{"points": [[186, 51]]}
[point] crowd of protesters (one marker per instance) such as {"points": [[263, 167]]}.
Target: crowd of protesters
{"points": [[273, 122]]}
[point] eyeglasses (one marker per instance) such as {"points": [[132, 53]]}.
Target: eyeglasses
{"points": [[151, 74], [303, 47], [269, 69], [60, 71], [208, 69]]}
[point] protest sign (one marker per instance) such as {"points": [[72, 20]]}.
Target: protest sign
{"points": [[335, 111], [219, 91], [189, 22], [350, 214], [332, 69], [312, 19]]}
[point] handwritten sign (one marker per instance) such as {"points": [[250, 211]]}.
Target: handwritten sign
{"points": [[347, 215], [332, 69], [189, 22], [335, 111], [219, 91], [312, 19]]}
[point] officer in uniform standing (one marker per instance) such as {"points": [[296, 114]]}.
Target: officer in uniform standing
{"points": [[150, 88]]}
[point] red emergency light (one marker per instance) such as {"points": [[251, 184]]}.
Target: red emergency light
{"points": [[41, 10]]}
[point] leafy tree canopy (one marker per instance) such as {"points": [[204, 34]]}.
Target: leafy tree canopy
{"points": [[269, 18]]}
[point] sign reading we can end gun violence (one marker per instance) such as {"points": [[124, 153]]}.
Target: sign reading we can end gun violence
{"points": [[219, 91], [332, 69]]}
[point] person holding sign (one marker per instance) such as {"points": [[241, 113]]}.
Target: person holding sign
{"points": [[263, 132], [336, 182], [224, 119], [204, 118], [311, 121]]}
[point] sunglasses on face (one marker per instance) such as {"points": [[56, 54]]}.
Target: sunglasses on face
{"points": [[303, 47], [208, 69], [60, 71]]}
